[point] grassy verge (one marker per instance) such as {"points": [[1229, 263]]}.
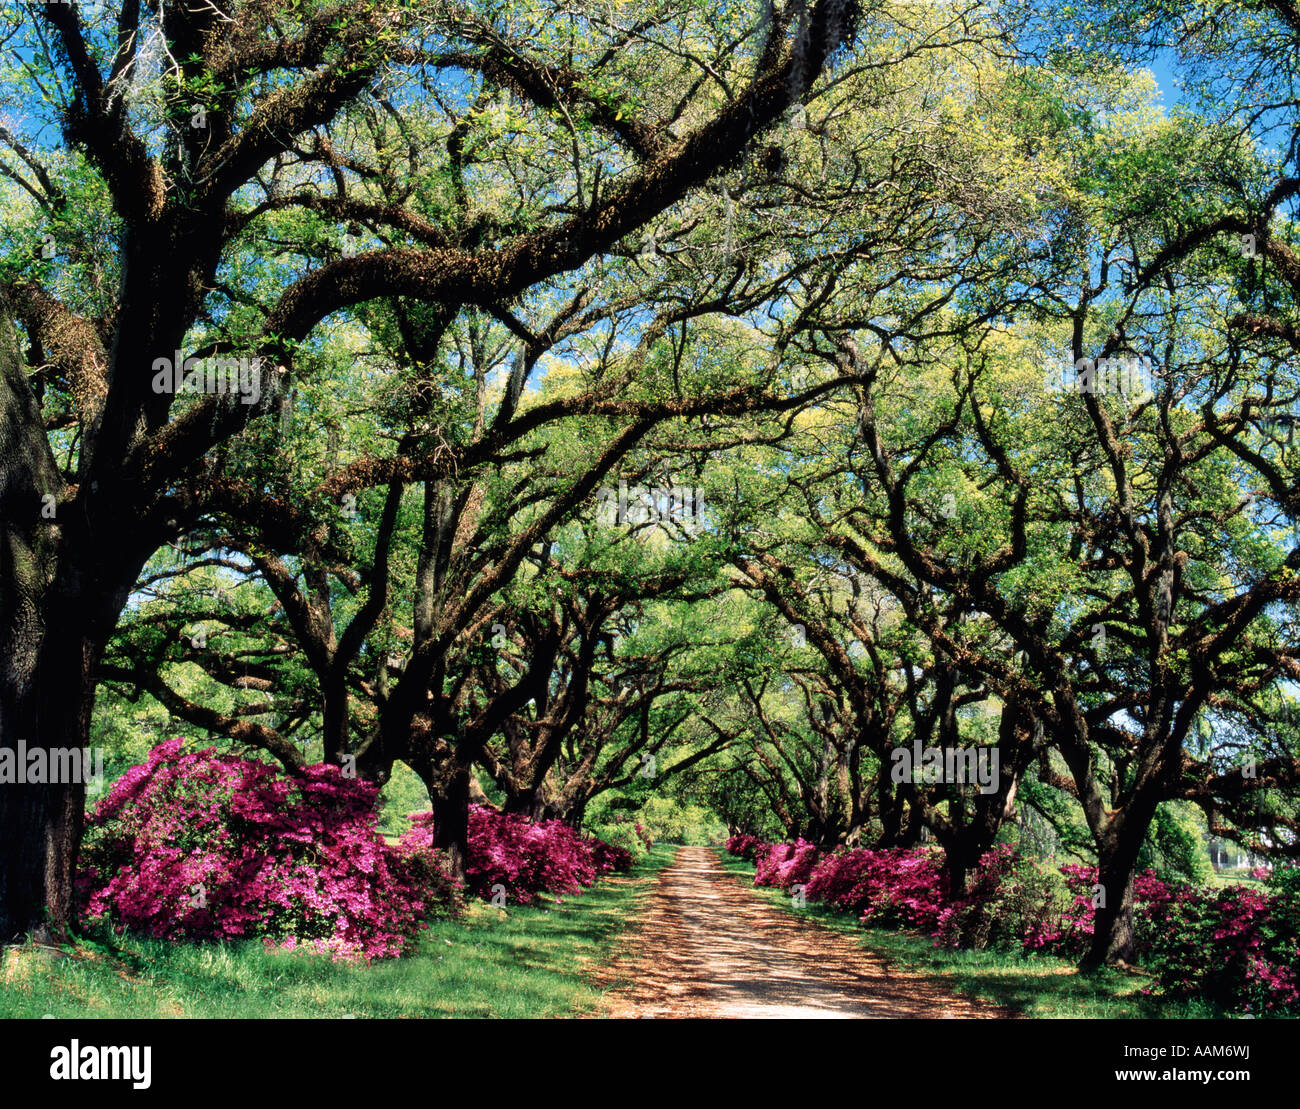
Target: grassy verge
{"points": [[1034, 986], [520, 962]]}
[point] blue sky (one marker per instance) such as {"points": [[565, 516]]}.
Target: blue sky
{"points": [[1162, 67]]}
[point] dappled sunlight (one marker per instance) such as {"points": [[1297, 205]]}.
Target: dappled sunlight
{"points": [[710, 948]]}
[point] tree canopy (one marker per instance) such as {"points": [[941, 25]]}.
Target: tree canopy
{"points": [[575, 403]]}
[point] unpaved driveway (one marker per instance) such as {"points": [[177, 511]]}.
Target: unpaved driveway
{"points": [[708, 947]]}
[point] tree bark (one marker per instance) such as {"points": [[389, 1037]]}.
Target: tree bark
{"points": [[44, 678], [450, 803], [1112, 931], [67, 566], [47, 707], [529, 802], [334, 716]]}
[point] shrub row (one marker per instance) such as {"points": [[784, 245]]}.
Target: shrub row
{"points": [[1236, 946], [523, 857], [211, 846]]}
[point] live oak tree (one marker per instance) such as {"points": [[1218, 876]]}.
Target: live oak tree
{"points": [[827, 760], [1120, 656], [611, 606], [954, 284], [195, 126], [339, 623], [1084, 532], [867, 680]]}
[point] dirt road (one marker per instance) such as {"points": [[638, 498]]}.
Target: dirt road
{"points": [[709, 947]]}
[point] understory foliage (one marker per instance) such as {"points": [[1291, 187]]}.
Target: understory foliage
{"points": [[206, 846], [744, 846], [524, 857], [629, 835], [1237, 946], [210, 846]]}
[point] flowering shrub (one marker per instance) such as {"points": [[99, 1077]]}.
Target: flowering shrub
{"points": [[209, 846], [609, 858], [784, 865], [525, 857], [898, 886], [1236, 946], [1073, 934], [906, 888], [621, 832], [744, 846], [1010, 902], [839, 880]]}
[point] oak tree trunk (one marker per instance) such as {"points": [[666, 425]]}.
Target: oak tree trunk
{"points": [[450, 801], [46, 698], [1112, 937]]}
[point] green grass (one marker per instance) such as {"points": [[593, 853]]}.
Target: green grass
{"points": [[516, 962], [1234, 878], [1034, 986]]}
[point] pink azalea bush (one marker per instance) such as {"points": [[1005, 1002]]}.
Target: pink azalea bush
{"points": [[210, 846], [891, 886], [1238, 947], [744, 846], [610, 858], [213, 847], [525, 857], [784, 865], [1073, 931]]}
